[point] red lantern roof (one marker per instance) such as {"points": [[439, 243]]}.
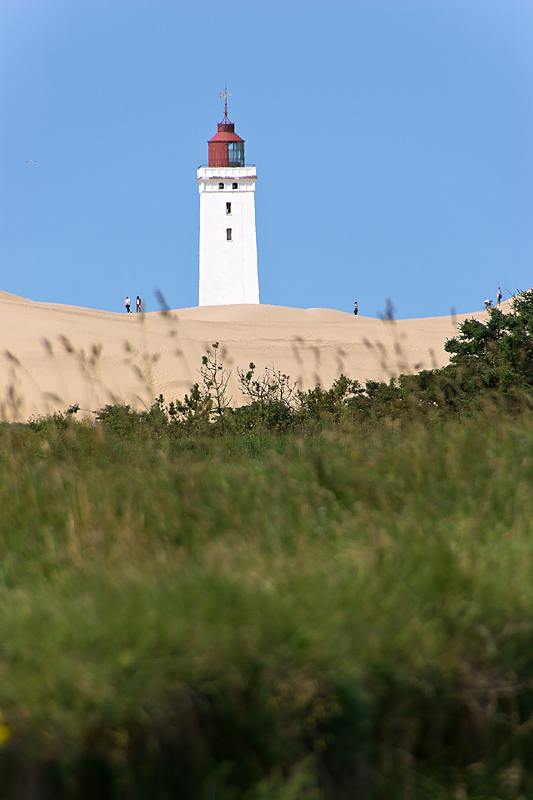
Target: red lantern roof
{"points": [[226, 133]]}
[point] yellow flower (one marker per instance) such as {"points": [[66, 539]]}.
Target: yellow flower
{"points": [[5, 732]]}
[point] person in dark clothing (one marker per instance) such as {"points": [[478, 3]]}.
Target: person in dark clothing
{"points": [[356, 308]]}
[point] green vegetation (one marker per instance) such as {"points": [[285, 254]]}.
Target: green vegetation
{"points": [[318, 596]]}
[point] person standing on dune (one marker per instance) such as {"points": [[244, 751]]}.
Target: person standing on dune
{"points": [[127, 304]]}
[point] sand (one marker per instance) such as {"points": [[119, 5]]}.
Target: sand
{"points": [[53, 356]]}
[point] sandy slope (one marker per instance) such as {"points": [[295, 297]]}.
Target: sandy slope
{"points": [[47, 363]]}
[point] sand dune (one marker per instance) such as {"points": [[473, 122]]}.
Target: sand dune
{"points": [[52, 356]]}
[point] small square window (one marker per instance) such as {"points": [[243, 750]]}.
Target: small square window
{"points": [[228, 234], [235, 186], [220, 185], [228, 208]]}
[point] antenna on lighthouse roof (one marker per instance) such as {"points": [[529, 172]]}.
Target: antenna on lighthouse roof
{"points": [[225, 96]]}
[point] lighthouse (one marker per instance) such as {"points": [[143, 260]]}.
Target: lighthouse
{"points": [[228, 248]]}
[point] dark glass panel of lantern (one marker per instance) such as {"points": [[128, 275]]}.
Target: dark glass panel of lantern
{"points": [[236, 154]]}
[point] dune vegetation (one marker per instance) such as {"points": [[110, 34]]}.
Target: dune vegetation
{"points": [[319, 595]]}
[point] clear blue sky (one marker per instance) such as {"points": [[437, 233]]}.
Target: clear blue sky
{"points": [[392, 140]]}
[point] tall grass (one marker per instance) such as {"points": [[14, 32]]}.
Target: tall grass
{"points": [[333, 616]]}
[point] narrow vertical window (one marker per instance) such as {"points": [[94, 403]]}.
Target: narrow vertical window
{"points": [[228, 234], [228, 208]]}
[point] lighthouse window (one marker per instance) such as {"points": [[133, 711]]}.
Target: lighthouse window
{"points": [[228, 234], [235, 186], [228, 208], [220, 185], [236, 154]]}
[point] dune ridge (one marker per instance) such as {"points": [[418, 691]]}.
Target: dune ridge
{"points": [[55, 355]]}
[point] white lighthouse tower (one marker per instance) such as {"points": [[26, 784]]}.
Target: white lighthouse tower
{"points": [[228, 248]]}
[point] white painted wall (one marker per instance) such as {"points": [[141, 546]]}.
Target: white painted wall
{"points": [[228, 269]]}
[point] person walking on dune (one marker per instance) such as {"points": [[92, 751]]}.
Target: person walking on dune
{"points": [[127, 304], [138, 305], [356, 309], [499, 296]]}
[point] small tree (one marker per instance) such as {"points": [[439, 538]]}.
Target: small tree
{"points": [[499, 352], [216, 379], [270, 387], [194, 411], [330, 403]]}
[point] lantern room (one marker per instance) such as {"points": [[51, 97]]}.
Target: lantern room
{"points": [[226, 149]]}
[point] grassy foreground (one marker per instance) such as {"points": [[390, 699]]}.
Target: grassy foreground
{"points": [[346, 615]]}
